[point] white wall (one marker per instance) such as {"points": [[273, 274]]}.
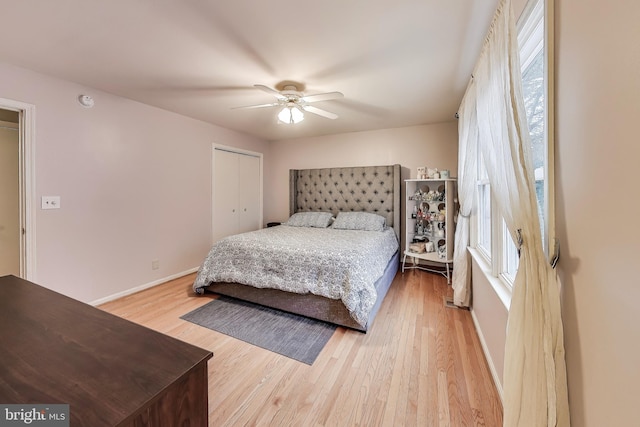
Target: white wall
{"points": [[490, 316], [429, 145], [135, 183], [597, 152]]}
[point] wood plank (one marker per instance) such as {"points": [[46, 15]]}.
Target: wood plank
{"points": [[421, 364]]}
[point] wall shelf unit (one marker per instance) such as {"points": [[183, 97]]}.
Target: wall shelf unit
{"points": [[431, 206]]}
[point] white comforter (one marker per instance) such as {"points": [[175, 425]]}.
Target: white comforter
{"points": [[337, 264]]}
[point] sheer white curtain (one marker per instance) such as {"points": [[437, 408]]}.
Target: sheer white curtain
{"points": [[467, 167], [535, 387]]}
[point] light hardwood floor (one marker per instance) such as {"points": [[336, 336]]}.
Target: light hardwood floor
{"points": [[421, 364]]}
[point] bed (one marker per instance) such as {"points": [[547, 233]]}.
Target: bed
{"points": [[333, 260]]}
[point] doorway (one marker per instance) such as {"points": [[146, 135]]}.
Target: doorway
{"points": [[17, 189], [10, 229]]}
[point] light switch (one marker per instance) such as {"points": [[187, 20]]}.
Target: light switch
{"points": [[50, 202]]}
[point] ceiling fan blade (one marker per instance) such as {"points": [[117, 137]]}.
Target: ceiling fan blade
{"points": [[273, 104], [271, 91], [322, 97], [320, 112]]}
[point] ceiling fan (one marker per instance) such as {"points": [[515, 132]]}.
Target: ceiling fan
{"points": [[289, 96]]}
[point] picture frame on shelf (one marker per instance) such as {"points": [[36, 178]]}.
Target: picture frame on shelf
{"points": [[421, 172]]}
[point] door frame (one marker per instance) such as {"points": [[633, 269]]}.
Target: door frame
{"points": [[27, 182]]}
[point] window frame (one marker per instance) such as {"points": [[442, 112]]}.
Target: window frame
{"points": [[482, 182], [535, 32], [534, 12]]}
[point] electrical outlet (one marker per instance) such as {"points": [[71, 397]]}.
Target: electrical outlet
{"points": [[50, 202], [155, 264]]}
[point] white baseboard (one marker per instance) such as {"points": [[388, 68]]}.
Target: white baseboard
{"points": [[487, 356], [142, 287]]}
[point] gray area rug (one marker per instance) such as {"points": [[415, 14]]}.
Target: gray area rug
{"points": [[290, 335]]}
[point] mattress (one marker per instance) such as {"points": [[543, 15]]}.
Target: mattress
{"points": [[336, 264]]}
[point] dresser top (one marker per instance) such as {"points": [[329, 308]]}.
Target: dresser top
{"points": [[55, 349]]}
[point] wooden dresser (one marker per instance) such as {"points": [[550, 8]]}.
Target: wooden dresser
{"points": [[112, 372]]}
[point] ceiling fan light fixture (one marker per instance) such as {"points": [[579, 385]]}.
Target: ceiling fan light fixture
{"points": [[291, 114], [294, 103]]}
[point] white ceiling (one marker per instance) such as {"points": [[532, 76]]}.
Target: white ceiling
{"points": [[398, 63]]}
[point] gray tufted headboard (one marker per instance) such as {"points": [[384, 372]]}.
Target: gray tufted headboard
{"points": [[370, 189]]}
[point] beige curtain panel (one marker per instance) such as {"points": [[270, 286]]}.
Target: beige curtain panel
{"points": [[493, 122]]}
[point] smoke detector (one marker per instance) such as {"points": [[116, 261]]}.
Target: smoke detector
{"points": [[86, 101]]}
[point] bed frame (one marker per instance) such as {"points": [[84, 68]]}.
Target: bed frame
{"points": [[352, 189]]}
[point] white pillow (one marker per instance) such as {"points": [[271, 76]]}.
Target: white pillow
{"points": [[310, 219], [359, 221]]}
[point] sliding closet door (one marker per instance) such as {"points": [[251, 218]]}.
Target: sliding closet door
{"points": [[236, 193], [249, 194], [225, 194]]}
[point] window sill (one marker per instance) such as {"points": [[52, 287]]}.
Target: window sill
{"points": [[502, 290]]}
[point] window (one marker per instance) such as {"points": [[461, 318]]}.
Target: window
{"points": [[484, 218], [484, 211], [509, 256], [493, 239], [533, 89]]}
